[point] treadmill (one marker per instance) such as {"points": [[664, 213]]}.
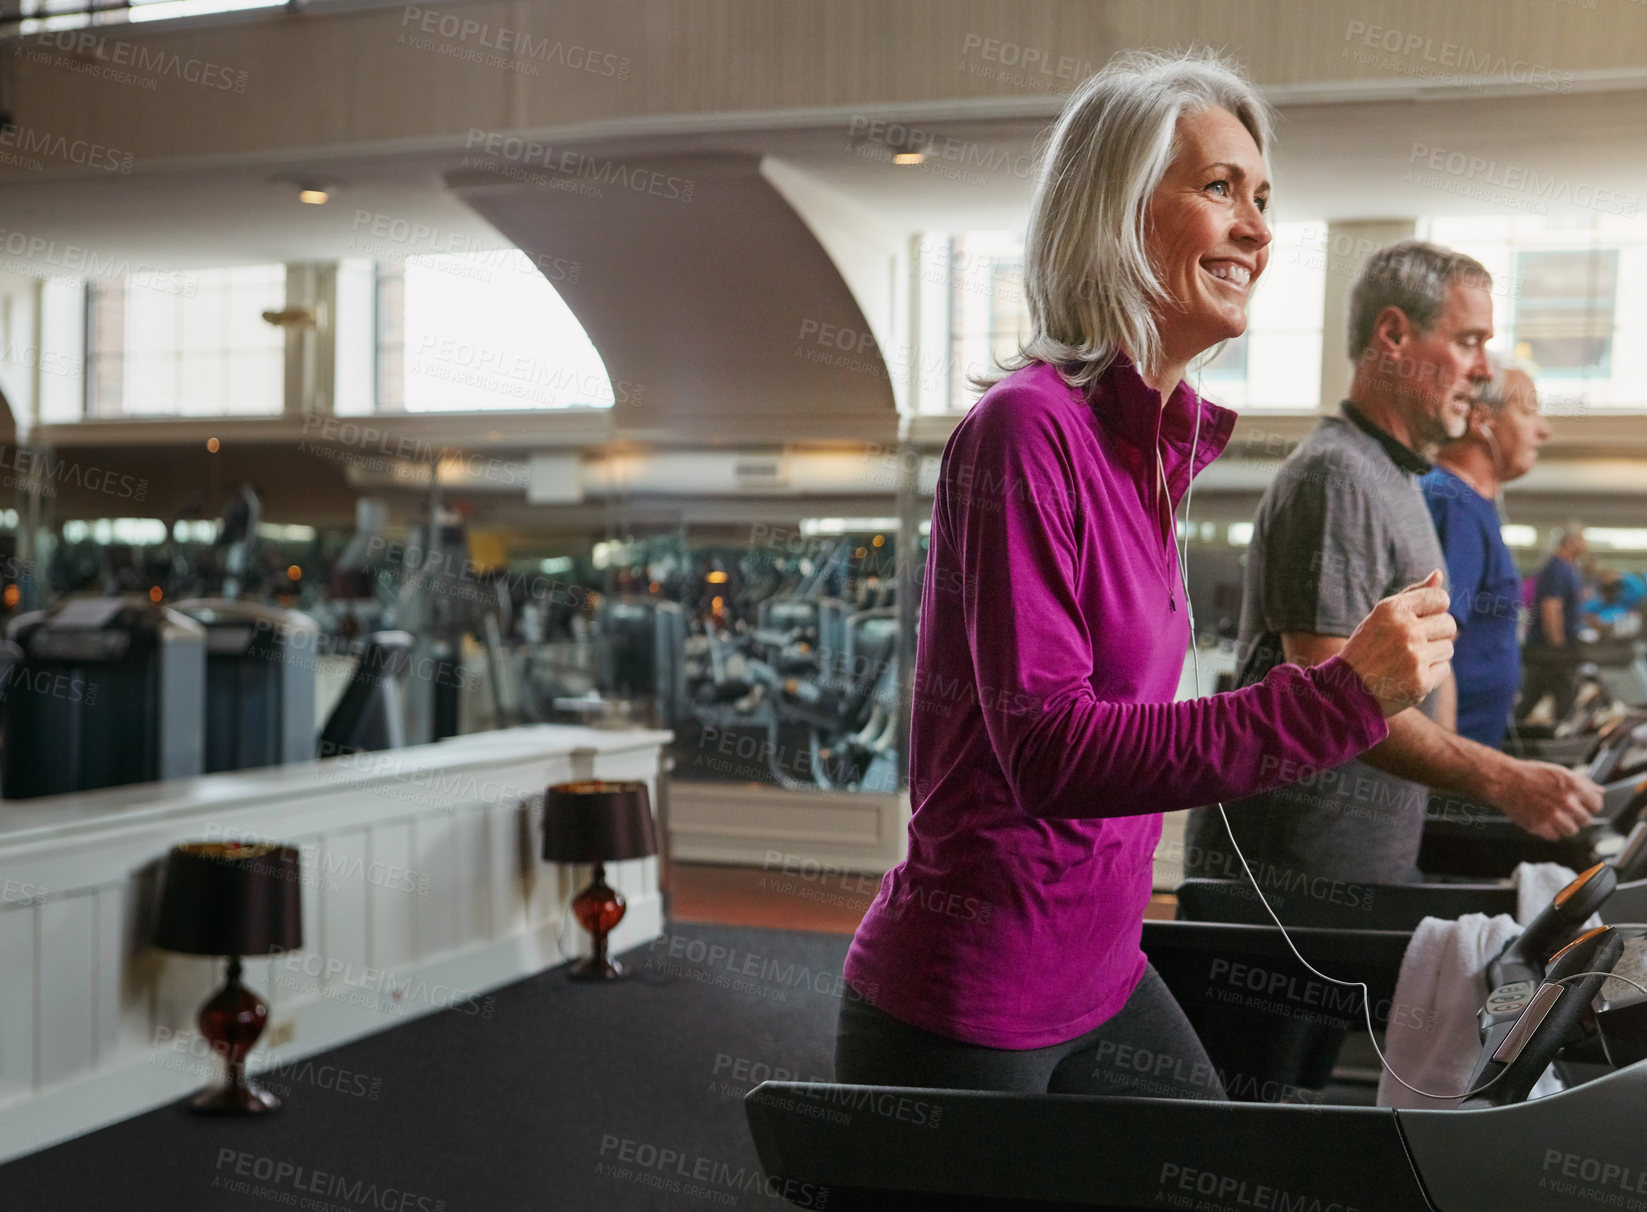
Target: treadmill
{"points": [[1362, 906], [1340, 935], [849, 1147], [1469, 839], [862, 1148], [1472, 849], [1270, 1027], [260, 683]]}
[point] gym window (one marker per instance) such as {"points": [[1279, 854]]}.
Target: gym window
{"points": [[1275, 365], [1564, 318], [40, 16], [1557, 302], [191, 343], [988, 311], [479, 332], [1230, 361]]}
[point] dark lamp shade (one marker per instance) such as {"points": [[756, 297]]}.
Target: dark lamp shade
{"points": [[220, 898], [594, 821]]}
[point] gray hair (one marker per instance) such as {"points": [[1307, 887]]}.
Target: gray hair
{"points": [[1087, 278], [1495, 393], [1413, 277]]}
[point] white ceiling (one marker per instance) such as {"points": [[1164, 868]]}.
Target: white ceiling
{"points": [[1339, 160]]}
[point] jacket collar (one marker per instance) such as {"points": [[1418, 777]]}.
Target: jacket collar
{"points": [[1131, 409]]}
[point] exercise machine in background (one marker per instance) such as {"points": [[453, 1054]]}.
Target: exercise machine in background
{"points": [[1466, 838], [109, 691], [813, 690], [371, 714], [261, 663]]}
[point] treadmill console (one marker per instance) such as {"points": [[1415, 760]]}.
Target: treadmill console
{"points": [[1623, 753], [1507, 1001]]}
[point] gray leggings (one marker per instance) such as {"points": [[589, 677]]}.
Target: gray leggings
{"points": [[1147, 1049]]}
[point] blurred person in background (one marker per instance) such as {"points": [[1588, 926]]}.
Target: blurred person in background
{"points": [[1558, 597], [1616, 606], [1501, 441]]}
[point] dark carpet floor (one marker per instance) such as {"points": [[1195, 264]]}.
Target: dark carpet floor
{"points": [[547, 1095]]}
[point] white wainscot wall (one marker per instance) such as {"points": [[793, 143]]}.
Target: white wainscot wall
{"points": [[421, 891]]}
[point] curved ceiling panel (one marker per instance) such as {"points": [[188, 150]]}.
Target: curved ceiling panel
{"points": [[718, 314]]}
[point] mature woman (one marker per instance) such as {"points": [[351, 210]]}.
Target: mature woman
{"points": [[1003, 953]]}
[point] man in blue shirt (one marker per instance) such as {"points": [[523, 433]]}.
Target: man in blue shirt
{"points": [[1556, 616], [1500, 444], [1617, 596]]}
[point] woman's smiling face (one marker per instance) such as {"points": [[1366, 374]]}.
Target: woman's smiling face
{"points": [[1205, 233]]}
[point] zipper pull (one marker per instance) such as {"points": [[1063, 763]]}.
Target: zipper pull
{"points": [[1172, 600]]}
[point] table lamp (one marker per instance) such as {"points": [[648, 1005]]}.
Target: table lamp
{"points": [[599, 822], [223, 898]]}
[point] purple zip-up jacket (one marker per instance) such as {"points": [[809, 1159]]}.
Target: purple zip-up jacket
{"points": [[1044, 742]]}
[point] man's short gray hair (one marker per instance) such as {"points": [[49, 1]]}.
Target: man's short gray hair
{"points": [[1413, 276], [1087, 278], [1495, 393]]}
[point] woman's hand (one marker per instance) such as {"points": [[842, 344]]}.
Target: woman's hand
{"points": [[1402, 650]]}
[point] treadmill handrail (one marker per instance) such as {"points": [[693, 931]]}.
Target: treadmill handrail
{"points": [[1510, 1066], [1364, 907]]}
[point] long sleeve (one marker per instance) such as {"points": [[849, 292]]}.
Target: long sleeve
{"points": [[1036, 626], [1044, 742]]}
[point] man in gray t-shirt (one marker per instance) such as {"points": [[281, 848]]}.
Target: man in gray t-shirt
{"points": [[1344, 525]]}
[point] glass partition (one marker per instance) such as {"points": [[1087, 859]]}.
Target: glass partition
{"points": [[772, 652], [1561, 301]]}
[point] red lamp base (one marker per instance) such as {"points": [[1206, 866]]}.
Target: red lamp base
{"points": [[245, 1099], [231, 1022], [598, 908], [597, 968]]}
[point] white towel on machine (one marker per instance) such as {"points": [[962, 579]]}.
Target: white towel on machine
{"points": [[1434, 1034], [1536, 885]]}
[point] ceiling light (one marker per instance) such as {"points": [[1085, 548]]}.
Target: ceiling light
{"points": [[909, 158], [313, 186]]}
